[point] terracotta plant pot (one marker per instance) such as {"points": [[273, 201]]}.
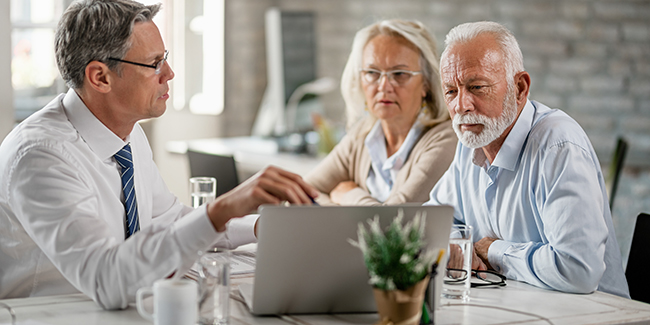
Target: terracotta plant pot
{"points": [[401, 307]]}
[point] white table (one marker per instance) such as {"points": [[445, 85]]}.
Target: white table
{"points": [[251, 154], [517, 303]]}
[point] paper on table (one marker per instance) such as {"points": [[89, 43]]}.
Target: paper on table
{"points": [[242, 262]]}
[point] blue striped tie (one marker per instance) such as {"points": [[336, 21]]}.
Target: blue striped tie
{"points": [[125, 160]]}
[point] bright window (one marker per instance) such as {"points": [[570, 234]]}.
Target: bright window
{"points": [[34, 74]]}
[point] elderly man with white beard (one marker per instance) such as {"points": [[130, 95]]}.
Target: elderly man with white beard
{"points": [[524, 176]]}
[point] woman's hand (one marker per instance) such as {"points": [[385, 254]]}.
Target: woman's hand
{"points": [[336, 195]]}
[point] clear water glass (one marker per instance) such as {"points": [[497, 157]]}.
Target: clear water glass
{"points": [[203, 190], [457, 278], [214, 287]]}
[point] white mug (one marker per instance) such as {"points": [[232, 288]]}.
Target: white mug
{"points": [[174, 302]]}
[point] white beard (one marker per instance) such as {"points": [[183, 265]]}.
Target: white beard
{"points": [[493, 128]]}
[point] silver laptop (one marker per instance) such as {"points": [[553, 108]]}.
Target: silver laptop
{"points": [[305, 263]]}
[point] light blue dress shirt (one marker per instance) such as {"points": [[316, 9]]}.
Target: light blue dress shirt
{"points": [[544, 197], [383, 170]]}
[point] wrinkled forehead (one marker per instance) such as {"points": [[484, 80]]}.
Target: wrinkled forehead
{"points": [[471, 59]]}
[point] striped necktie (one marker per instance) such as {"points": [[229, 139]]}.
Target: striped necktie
{"points": [[125, 160]]}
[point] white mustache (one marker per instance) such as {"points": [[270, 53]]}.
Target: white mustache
{"points": [[470, 119]]}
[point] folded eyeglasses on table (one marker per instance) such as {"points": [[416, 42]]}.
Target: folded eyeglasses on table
{"points": [[480, 278]]}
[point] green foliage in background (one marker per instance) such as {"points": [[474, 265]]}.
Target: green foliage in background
{"points": [[395, 258]]}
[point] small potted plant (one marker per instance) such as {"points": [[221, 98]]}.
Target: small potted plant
{"points": [[398, 265]]}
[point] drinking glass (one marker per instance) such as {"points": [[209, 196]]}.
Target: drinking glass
{"points": [[214, 287], [457, 278], [203, 190]]}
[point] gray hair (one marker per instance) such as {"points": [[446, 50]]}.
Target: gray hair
{"points": [[513, 59], [95, 30], [416, 34]]}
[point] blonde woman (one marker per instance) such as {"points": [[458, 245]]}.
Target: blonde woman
{"points": [[400, 140]]}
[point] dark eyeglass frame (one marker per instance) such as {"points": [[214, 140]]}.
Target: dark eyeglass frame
{"points": [[157, 66], [477, 274]]}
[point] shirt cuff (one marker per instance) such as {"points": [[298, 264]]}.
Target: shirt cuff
{"points": [[241, 231], [195, 232], [495, 254]]}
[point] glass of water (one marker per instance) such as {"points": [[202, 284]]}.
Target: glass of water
{"points": [[203, 190], [457, 278], [214, 287]]}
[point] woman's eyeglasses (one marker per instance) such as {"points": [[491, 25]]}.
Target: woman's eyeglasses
{"points": [[482, 277], [395, 77]]}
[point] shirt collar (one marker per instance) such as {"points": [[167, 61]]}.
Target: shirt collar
{"points": [[101, 140], [376, 143], [508, 154]]}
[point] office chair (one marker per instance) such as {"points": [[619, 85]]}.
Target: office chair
{"points": [[615, 169], [220, 167], [638, 263]]}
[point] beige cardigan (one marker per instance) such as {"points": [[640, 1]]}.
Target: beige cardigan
{"points": [[349, 160]]}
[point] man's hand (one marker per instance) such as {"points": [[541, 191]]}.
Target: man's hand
{"points": [[271, 185], [456, 259], [481, 248], [336, 195]]}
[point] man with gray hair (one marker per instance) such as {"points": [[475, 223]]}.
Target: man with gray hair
{"points": [[524, 176], [82, 204]]}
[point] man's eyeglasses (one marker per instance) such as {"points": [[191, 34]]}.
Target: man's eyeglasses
{"points": [[395, 77], [157, 65], [483, 277]]}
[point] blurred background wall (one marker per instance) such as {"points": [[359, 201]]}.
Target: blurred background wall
{"points": [[589, 58]]}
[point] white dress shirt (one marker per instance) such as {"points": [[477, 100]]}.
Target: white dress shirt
{"points": [[62, 218], [384, 169]]}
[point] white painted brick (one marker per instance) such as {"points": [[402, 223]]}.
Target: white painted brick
{"points": [[635, 124], [619, 10], [601, 104], [590, 121], [635, 50], [549, 99], [570, 29], [533, 63], [601, 31], [574, 9], [601, 84], [527, 9], [560, 84], [479, 11], [640, 141], [537, 29], [443, 9], [636, 31], [549, 47], [589, 49], [641, 88], [619, 68], [642, 67], [580, 66]]}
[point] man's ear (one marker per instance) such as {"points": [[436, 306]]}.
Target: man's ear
{"points": [[522, 86], [98, 76]]}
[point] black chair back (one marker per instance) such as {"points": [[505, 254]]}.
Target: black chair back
{"points": [[638, 263], [222, 168], [615, 169]]}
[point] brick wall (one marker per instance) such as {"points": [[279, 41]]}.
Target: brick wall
{"points": [[589, 58]]}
